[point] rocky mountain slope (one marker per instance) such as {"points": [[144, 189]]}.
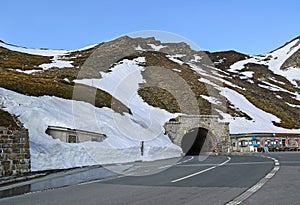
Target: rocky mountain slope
{"points": [[128, 88], [270, 82]]}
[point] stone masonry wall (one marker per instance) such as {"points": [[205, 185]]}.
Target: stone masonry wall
{"points": [[218, 130], [14, 152]]}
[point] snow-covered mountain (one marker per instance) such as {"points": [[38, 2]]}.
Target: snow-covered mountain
{"points": [[129, 87]]}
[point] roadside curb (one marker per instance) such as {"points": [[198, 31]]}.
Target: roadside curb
{"points": [[29, 176], [22, 178]]}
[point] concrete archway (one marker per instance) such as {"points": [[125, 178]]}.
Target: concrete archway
{"points": [[217, 133]]}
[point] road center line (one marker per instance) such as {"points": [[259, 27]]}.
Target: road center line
{"points": [[186, 177], [197, 173], [228, 159], [185, 161]]}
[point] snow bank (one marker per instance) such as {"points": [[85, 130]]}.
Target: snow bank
{"points": [[124, 132], [46, 153]]}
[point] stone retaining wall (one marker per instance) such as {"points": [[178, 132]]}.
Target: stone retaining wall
{"points": [[14, 152]]}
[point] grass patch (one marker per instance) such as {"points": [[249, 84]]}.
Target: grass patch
{"points": [[6, 119], [39, 86], [17, 60], [163, 99]]}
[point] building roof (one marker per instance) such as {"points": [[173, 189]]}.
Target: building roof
{"points": [[66, 129]]}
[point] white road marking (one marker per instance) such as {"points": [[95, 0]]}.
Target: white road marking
{"points": [[178, 163], [228, 159], [185, 161], [166, 166], [197, 173], [189, 176], [239, 199]]}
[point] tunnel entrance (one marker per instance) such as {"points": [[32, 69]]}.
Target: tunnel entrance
{"points": [[196, 141]]}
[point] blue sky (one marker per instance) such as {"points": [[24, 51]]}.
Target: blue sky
{"points": [[251, 27]]}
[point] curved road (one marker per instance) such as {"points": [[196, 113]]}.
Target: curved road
{"points": [[192, 180]]}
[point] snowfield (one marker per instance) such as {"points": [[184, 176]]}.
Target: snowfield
{"points": [[47, 153], [124, 132]]}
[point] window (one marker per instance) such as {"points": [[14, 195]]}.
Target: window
{"points": [[244, 143], [72, 139]]}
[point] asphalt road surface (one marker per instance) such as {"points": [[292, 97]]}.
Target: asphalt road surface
{"points": [[192, 180], [284, 187]]}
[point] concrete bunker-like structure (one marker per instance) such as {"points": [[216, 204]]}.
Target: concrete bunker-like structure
{"points": [[73, 135], [199, 134]]}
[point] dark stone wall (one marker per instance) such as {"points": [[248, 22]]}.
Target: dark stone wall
{"points": [[14, 151]]}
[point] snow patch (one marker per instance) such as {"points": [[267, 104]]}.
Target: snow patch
{"points": [[156, 47], [292, 105], [56, 62], [139, 48], [275, 61], [196, 59], [262, 121], [248, 74], [175, 58], [176, 70], [211, 99]]}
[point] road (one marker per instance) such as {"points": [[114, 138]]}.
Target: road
{"points": [[192, 180], [284, 187]]}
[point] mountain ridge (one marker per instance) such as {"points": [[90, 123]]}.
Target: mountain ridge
{"points": [[128, 88], [212, 67]]}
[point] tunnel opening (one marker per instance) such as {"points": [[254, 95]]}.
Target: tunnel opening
{"points": [[196, 141]]}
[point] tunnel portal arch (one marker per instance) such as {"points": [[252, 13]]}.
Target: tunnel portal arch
{"points": [[197, 141], [195, 127]]}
